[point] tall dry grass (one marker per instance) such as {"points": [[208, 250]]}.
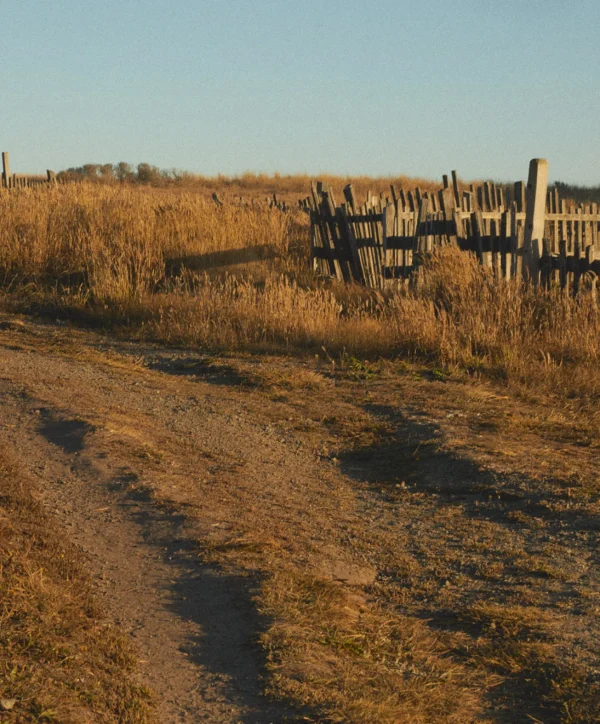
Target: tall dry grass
{"points": [[117, 242], [174, 267]]}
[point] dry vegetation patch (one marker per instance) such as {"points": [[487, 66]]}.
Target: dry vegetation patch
{"points": [[464, 411], [356, 662], [171, 266], [483, 529], [60, 658]]}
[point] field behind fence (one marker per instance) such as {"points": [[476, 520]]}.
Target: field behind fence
{"points": [[520, 231]]}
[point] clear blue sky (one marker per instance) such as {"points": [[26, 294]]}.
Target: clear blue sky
{"points": [[304, 86]]}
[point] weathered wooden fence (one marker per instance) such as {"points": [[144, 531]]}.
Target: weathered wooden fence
{"points": [[519, 231], [14, 181]]}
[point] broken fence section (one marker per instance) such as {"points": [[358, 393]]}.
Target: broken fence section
{"points": [[520, 231]]}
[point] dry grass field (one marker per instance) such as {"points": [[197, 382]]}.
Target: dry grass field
{"points": [[176, 268], [446, 437], [250, 186]]}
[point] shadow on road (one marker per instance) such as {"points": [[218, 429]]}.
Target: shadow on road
{"points": [[190, 365], [219, 602], [67, 434]]}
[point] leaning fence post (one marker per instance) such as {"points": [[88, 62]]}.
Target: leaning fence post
{"points": [[537, 188]]}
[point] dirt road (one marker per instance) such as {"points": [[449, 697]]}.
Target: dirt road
{"points": [[139, 464], [152, 458]]}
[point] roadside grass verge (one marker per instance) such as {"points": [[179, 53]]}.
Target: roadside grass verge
{"points": [[358, 663], [60, 659]]}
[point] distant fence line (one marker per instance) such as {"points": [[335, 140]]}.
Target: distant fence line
{"points": [[13, 181], [520, 231], [272, 202]]}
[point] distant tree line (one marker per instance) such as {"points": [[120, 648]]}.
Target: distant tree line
{"points": [[122, 172], [149, 175], [585, 194]]}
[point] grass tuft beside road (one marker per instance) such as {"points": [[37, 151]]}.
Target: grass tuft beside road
{"points": [[329, 649], [60, 659]]}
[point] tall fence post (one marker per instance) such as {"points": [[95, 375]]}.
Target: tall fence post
{"points": [[5, 170], [537, 188]]}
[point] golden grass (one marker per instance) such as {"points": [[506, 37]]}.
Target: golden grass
{"points": [[514, 643], [172, 266], [115, 242], [60, 660], [232, 277], [357, 663]]}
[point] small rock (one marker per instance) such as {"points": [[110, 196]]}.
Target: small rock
{"points": [[349, 573]]}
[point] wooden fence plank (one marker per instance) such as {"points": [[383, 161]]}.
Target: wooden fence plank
{"points": [[519, 191], [455, 188]]}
